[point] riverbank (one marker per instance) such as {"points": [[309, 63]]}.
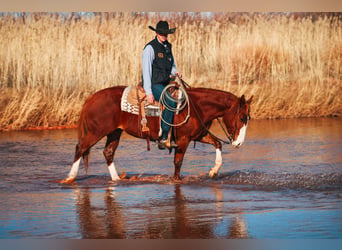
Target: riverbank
{"points": [[33, 110], [50, 63]]}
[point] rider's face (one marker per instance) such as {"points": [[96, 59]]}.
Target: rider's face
{"points": [[161, 37]]}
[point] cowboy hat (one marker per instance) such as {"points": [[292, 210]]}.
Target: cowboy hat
{"points": [[163, 28]]}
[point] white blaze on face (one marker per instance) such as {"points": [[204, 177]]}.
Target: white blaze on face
{"points": [[242, 135]]}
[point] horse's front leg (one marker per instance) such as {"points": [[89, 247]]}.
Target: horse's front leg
{"points": [[179, 156], [218, 161]]}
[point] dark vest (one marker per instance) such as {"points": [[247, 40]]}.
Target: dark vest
{"points": [[162, 63]]}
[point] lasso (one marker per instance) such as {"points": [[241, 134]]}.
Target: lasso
{"points": [[182, 101]]}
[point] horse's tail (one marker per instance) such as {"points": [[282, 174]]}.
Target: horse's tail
{"points": [[86, 160], [82, 126]]}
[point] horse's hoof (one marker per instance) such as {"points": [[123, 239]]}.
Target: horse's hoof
{"points": [[122, 176], [212, 173], [176, 178], [67, 180]]}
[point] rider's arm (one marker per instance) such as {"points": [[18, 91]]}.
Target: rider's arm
{"points": [[174, 70], [147, 59]]}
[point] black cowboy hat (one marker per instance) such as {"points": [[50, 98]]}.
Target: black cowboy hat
{"points": [[163, 28]]}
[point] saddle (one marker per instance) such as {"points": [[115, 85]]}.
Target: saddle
{"points": [[133, 101], [133, 98]]}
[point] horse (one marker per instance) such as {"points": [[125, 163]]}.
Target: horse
{"points": [[101, 116]]}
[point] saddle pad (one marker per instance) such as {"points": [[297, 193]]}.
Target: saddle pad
{"points": [[129, 103]]}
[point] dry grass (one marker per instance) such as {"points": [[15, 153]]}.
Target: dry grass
{"points": [[49, 65], [32, 108]]}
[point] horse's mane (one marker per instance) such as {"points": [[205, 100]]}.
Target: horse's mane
{"points": [[209, 95], [215, 92], [210, 91]]}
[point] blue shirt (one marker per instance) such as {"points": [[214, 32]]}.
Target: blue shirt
{"points": [[147, 59]]}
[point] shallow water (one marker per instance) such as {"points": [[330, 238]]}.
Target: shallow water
{"points": [[284, 182]]}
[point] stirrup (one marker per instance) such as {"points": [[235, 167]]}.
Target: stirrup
{"points": [[173, 144], [162, 144]]}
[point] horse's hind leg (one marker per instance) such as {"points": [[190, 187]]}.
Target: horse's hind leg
{"points": [[109, 151], [75, 166], [82, 149]]}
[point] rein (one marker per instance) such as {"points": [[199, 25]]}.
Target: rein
{"points": [[230, 139]]}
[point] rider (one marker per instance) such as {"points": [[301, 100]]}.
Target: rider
{"points": [[158, 65]]}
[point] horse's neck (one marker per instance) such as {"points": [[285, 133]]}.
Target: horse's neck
{"points": [[212, 103]]}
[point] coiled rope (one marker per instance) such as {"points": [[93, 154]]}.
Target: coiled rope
{"points": [[181, 101]]}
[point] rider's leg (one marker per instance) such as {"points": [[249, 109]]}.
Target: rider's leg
{"points": [[167, 115]]}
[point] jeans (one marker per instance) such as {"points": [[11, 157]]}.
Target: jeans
{"points": [[167, 115]]}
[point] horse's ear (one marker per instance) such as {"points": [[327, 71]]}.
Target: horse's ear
{"points": [[242, 100], [250, 100]]}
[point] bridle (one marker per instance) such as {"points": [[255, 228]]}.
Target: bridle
{"points": [[228, 135]]}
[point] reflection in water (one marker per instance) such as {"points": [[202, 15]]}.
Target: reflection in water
{"points": [[288, 170], [179, 222], [95, 222], [238, 229]]}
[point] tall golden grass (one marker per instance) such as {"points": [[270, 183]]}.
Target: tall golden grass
{"points": [[49, 63]]}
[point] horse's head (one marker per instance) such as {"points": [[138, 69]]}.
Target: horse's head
{"points": [[236, 120]]}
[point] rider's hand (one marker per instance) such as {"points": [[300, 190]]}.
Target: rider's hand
{"points": [[150, 98], [179, 74]]}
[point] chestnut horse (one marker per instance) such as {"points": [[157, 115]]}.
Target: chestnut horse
{"points": [[101, 116]]}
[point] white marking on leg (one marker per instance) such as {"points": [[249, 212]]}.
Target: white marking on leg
{"points": [[218, 161], [241, 138], [74, 169], [113, 174], [218, 164]]}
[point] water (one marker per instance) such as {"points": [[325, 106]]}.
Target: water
{"points": [[285, 182]]}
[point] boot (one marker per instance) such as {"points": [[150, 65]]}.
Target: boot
{"points": [[163, 142]]}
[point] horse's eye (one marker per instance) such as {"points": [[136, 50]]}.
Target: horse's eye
{"points": [[241, 119]]}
